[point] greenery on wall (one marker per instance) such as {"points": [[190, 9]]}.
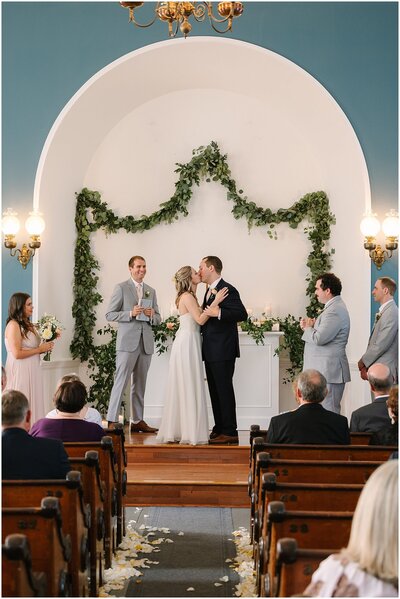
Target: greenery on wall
{"points": [[207, 164]]}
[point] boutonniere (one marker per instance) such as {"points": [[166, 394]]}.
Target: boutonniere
{"points": [[214, 291], [377, 316], [147, 294]]}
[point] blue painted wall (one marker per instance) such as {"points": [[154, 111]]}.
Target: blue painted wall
{"points": [[51, 48]]}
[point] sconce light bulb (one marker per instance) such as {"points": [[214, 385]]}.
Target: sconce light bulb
{"points": [[391, 225], [10, 222], [370, 225], [35, 224]]}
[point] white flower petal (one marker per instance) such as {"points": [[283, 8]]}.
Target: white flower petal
{"points": [[190, 589]]}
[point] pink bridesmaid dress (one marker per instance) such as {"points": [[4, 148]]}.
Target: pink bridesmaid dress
{"points": [[24, 375]]}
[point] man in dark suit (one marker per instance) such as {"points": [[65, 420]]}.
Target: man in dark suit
{"points": [[374, 416], [310, 422], [23, 456], [220, 350]]}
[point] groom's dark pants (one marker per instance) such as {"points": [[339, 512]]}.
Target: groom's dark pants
{"points": [[220, 386]]}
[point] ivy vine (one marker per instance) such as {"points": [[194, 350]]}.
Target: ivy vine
{"points": [[207, 164]]}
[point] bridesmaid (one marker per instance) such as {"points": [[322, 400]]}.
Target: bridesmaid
{"points": [[23, 350]]}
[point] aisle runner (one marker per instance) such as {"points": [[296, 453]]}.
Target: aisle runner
{"points": [[190, 553]]}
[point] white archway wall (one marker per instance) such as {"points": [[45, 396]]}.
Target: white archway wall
{"points": [[284, 136]]}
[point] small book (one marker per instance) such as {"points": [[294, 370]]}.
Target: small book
{"points": [[144, 303]]}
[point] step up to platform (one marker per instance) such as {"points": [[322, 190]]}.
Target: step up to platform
{"points": [[183, 475]]}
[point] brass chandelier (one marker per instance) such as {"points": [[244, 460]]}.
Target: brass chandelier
{"points": [[177, 15]]}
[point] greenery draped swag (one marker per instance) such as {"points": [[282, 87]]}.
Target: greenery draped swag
{"points": [[207, 164]]}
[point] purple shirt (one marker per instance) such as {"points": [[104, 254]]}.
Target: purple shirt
{"points": [[67, 429]]}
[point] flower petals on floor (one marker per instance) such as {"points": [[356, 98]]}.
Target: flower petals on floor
{"points": [[244, 564]]}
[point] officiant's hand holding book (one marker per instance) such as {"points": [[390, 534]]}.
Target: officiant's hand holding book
{"points": [[147, 310]]}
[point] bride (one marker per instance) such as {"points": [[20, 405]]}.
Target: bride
{"points": [[184, 418]]}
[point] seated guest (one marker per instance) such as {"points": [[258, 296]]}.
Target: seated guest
{"points": [[389, 435], [68, 425], [87, 413], [311, 422], [24, 457], [374, 416], [368, 567]]}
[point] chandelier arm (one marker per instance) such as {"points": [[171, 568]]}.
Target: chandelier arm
{"points": [[212, 17], [142, 26], [172, 33], [229, 27]]}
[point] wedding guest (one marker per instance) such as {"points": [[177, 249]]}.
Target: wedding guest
{"points": [[326, 339], [368, 566], [389, 435], [135, 343], [310, 422], [383, 344], [68, 425], [23, 350], [87, 413], [3, 378], [374, 416], [24, 457]]}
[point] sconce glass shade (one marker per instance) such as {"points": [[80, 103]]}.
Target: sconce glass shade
{"points": [[10, 222], [391, 225], [370, 225], [35, 224]]}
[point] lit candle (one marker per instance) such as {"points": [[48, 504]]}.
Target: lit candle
{"points": [[249, 312], [268, 310]]}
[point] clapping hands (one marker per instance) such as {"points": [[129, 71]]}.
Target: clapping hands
{"points": [[306, 322]]}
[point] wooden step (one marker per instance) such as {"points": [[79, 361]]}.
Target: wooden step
{"points": [[187, 454]]}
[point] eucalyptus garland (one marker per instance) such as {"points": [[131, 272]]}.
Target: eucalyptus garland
{"points": [[207, 164]]}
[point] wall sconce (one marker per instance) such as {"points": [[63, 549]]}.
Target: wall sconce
{"points": [[34, 225], [370, 227]]}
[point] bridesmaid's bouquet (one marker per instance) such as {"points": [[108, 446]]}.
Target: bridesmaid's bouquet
{"points": [[49, 329]]}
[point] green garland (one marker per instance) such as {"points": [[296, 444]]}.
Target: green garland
{"points": [[207, 163]]}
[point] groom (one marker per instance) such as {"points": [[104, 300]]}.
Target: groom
{"points": [[220, 350]]}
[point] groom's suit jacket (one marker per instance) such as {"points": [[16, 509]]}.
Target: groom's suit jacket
{"points": [[325, 343], [220, 336], [130, 330], [383, 343]]}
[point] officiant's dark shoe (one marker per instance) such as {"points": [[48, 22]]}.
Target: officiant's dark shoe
{"points": [[225, 440], [142, 427]]}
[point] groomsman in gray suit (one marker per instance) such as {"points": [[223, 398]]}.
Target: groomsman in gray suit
{"points": [[135, 342], [384, 339], [326, 339]]}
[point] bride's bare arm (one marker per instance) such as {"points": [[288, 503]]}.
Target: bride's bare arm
{"points": [[194, 309]]}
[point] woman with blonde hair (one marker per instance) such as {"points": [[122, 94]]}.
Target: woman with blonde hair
{"points": [[368, 567], [184, 418]]}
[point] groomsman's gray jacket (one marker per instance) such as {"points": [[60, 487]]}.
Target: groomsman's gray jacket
{"points": [[325, 343], [384, 340], [123, 299]]}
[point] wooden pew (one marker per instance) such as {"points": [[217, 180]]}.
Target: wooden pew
{"points": [[360, 438], [50, 548], [74, 513], [315, 470], [295, 567], [316, 497], [325, 530], [108, 477], [18, 579], [370, 453], [121, 461], [93, 496]]}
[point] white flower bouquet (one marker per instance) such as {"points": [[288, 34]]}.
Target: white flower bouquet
{"points": [[49, 328]]}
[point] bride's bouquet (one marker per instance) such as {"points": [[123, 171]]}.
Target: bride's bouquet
{"points": [[49, 328]]}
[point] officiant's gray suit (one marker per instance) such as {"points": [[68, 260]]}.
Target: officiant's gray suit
{"points": [[325, 349], [384, 339], [135, 346]]}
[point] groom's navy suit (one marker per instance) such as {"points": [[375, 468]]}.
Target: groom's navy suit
{"points": [[220, 349]]}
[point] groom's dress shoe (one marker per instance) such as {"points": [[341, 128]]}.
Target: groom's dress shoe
{"points": [[225, 440], [142, 427], [214, 434]]}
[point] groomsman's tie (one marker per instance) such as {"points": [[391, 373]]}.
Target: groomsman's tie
{"points": [[139, 289]]}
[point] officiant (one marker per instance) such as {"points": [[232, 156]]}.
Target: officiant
{"points": [[134, 306]]}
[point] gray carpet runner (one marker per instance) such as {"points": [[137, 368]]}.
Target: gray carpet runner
{"points": [[195, 560]]}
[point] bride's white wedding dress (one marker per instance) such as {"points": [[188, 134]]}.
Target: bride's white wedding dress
{"points": [[184, 418]]}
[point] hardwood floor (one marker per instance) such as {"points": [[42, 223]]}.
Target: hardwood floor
{"points": [[185, 475]]}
